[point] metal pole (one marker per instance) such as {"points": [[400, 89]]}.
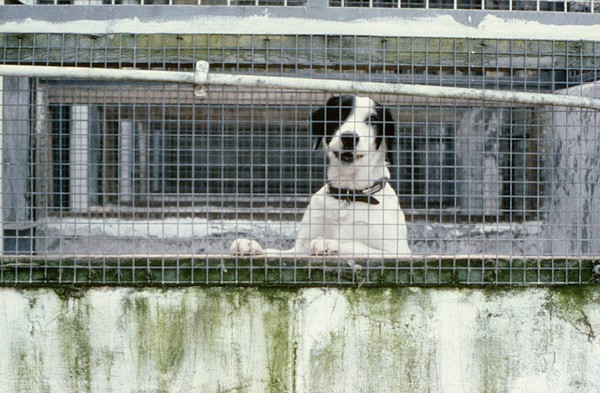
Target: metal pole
{"points": [[202, 77]]}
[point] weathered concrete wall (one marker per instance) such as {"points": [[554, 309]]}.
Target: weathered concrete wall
{"points": [[300, 340], [573, 175]]}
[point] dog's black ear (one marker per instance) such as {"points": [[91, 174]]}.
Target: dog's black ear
{"points": [[389, 132], [325, 121], [317, 126]]}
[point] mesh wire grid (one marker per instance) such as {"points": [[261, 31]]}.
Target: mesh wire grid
{"points": [[141, 183], [579, 6]]}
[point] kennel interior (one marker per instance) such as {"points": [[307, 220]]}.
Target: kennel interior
{"points": [[142, 181]]}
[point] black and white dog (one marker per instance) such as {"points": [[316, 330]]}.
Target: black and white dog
{"points": [[356, 213]]}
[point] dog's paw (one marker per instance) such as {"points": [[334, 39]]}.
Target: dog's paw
{"points": [[245, 247], [324, 247]]}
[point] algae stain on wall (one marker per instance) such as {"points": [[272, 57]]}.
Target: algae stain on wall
{"points": [[23, 350], [275, 340], [214, 339], [278, 310], [492, 363], [27, 378], [75, 344], [246, 327], [395, 320], [170, 334], [160, 336], [571, 305], [527, 339], [353, 339]]}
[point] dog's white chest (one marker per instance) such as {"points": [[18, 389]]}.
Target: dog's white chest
{"points": [[334, 218], [343, 211]]}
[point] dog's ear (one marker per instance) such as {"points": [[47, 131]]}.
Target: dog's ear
{"points": [[316, 123], [390, 134], [324, 119], [388, 130]]}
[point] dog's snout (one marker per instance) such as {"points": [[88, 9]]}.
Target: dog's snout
{"points": [[349, 140]]}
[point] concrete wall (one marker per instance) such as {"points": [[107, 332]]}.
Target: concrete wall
{"points": [[573, 175], [198, 339]]}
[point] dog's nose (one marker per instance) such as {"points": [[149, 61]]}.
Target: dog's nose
{"points": [[349, 140]]}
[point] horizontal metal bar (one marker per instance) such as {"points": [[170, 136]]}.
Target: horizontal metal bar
{"points": [[97, 74], [340, 86]]}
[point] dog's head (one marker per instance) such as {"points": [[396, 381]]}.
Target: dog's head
{"points": [[351, 128]]}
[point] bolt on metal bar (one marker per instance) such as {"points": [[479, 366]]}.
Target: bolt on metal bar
{"points": [[202, 77]]}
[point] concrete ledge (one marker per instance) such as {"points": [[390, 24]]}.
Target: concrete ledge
{"points": [[217, 270], [219, 339]]}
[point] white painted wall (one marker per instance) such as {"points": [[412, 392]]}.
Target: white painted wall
{"points": [[300, 340], [264, 20]]}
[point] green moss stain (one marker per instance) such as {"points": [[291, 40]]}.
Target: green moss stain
{"points": [[506, 336], [29, 370], [139, 310], [228, 309], [75, 345], [280, 335], [246, 339], [396, 321], [493, 360], [24, 381], [379, 330], [570, 304], [326, 359], [575, 296], [171, 332], [161, 331], [224, 329]]}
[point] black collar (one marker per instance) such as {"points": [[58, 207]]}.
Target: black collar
{"points": [[349, 195]]}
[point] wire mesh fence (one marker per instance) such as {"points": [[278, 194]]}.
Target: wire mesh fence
{"points": [[139, 182], [585, 6]]}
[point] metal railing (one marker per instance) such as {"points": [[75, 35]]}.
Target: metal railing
{"points": [[202, 77]]}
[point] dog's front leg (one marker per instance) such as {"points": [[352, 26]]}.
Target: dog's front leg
{"points": [[324, 247], [243, 246]]}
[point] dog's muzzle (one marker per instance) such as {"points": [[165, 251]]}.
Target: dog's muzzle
{"points": [[348, 141], [347, 157]]}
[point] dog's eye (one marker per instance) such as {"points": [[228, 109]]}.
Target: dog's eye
{"points": [[373, 119]]}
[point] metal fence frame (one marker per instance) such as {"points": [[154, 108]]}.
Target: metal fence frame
{"points": [[428, 270], [188, 269], [202, 77]]}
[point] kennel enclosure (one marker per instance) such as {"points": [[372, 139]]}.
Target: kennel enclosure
{"points": [[144, 182]]}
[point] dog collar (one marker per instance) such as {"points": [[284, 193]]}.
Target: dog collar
{"points": [[349, 195]]}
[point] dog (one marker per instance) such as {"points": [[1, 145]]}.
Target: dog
{"points": [[357, 212]]}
